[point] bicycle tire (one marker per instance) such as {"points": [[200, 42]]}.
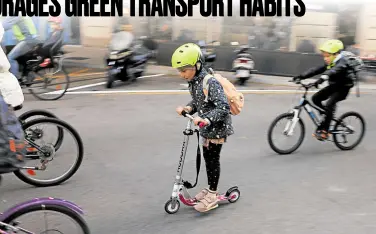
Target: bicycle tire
{"points": [[58, 208], [22, 118], [58, 97], [74, 168], [35, 112], [340, 119], [271, 127]]}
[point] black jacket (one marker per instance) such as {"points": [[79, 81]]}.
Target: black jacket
{"points": [[340, 74]]}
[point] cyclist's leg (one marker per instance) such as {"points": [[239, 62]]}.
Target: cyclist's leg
{"points": [[321, 96], [331, 105], [44, 52], [20, 49], [317, 100]]}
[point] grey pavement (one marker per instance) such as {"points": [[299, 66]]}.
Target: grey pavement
{"points": [[132, 146]]}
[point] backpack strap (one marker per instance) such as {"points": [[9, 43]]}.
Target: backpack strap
{"points": [[205, 84]]}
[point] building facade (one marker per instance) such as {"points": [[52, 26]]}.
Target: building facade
{"points": [[353, 23]]}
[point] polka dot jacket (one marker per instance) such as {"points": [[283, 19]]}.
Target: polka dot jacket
{"points": [[216, 109]]}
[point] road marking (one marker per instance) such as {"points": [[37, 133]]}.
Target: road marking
{"points": [[95, 84], [102, 74], [167, 92], [102, 83], [79, 72], [179, 91]]}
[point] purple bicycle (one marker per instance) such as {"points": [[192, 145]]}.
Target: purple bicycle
{"points": [[10, 223]]}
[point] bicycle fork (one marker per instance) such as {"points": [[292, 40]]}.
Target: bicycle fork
{"points": [[289, 129]]}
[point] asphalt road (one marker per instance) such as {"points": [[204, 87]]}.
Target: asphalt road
{"points": [[132, 144]]}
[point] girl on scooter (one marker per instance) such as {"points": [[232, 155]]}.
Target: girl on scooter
{"points": [[215, 113]]}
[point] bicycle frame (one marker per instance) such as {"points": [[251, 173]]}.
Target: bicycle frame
{"points": [[307, 106]]}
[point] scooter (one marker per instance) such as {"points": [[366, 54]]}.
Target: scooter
{"points": [[128, 57], [243, 65], [180, 186]]}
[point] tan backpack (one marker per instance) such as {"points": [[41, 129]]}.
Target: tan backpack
{"points": [[235, 98]]}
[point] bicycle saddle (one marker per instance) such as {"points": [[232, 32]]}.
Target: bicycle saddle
{"points": [[19, 107]]}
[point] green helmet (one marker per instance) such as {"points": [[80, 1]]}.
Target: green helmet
{"points": [[332, 46], [186, 55]]}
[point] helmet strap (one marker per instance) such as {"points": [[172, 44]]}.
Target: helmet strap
{"points": [[198, 66]]}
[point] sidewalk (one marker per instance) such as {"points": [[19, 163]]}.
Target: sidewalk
{"points": [[92, 57]]}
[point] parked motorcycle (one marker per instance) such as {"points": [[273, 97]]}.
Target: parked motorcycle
{"points": [[209, 53], [128, 57], [244, 64]]}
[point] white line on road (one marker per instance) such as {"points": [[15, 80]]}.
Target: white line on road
{"points": [[181, 91], [96, 84], [85, 86]]}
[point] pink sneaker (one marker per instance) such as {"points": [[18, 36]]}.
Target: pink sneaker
{"points": [[209, 202], [45, 63], [201, 194]]}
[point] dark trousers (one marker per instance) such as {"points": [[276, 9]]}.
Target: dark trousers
{"points": [[213, 167], [333, 94]]}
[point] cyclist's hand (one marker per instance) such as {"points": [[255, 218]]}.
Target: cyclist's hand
{"points": [[317, 83]]}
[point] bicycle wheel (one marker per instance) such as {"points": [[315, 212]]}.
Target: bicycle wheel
{"points": [[342, 129], [33, 113], [273, 125], [47, 80], [61, 210], [46, 153], [36, 112]]}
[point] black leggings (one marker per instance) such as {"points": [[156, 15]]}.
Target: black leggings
{"points": [[213, 167], [335, 94]]}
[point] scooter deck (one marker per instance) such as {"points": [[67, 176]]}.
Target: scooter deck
{"points": [[192, 201]]}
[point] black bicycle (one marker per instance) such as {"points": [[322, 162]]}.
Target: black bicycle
{"points": [[42, 153], [45, 83], [339, 129]]}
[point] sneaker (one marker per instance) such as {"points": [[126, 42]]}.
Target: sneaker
{"points": [[201, 194], [321, 135], [45, 63], [209, 202]]}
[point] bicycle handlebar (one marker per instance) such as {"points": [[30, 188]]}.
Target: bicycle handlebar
{"points": [[185, 114], [306, 86]]}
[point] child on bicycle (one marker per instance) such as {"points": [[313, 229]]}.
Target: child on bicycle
{"points": [[339, 73], [215, 113]]}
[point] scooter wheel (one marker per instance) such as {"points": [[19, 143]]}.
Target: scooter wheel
{"points": [[234, 196], [169, 209], [110, 81]]}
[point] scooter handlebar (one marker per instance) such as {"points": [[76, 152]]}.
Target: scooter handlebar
{"points": [[185, 114]]}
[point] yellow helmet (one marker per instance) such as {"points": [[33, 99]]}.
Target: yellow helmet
{"points": [[186, 55], [332, 46]]}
